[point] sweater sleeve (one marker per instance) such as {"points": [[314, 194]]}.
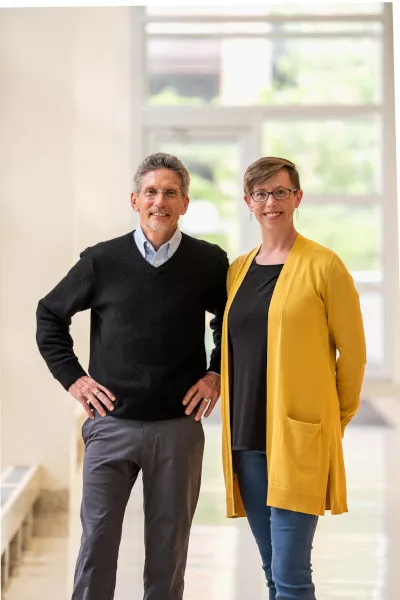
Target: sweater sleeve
{"points": [[347, 333], [54, 312], [217, 300]]}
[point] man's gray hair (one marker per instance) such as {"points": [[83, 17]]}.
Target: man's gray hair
{"points": [[161, 160]]}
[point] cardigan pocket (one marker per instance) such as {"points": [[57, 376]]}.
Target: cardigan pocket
{"points": [[298, 464]]}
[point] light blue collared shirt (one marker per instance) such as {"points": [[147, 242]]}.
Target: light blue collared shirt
{"points": [[159, 257]]}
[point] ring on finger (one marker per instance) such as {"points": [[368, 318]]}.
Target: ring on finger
{"points": [[208, 400], [96, 393]]}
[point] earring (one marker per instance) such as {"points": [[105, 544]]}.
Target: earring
{"points": [[251, 215], [297, 215]]}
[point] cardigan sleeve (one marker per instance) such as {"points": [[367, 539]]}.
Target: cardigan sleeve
{"points": [[347, 333], [233, 271], [54, 313], [230, 276]]}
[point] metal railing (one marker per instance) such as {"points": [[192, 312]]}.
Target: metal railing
{"points": [[20, 488]]}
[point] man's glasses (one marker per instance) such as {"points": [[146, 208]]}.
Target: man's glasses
{"points": [[152, 193], [278, 194]]}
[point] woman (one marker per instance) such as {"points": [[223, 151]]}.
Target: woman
{"points": [[286, 397]]}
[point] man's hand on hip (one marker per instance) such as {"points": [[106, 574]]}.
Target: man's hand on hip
{"points": [[204, 394], [86, 389]]}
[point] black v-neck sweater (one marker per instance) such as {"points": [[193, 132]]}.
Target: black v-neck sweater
{"points": [[147, 323]]}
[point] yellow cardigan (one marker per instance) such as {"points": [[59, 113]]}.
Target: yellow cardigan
{"points": [[311, 394]]}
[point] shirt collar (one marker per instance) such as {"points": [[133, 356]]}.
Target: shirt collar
{"points": [[171, 245]]}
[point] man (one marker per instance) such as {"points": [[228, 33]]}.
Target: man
{"points": [[148, 387]]}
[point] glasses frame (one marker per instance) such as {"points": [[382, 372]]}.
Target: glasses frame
{"points": [[290, 190], [164, 194]]}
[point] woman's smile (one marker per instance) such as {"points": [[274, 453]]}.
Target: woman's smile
{"points": [[271, 216]]}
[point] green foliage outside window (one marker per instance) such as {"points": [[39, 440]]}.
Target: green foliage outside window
{"points": [[334, 157]]}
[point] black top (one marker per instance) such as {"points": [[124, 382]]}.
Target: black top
{"points": [[147, 323], [248, 324]]}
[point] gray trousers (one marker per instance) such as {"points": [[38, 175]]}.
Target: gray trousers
{"points": [[170, 455]]}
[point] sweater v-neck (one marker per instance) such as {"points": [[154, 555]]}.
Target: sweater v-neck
{"points": [[146, 265]]}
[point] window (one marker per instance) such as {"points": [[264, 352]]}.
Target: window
{"points": [[264, 57], [306, 82]]}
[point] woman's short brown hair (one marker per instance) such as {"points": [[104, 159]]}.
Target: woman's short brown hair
{"points": [[266, 167]]}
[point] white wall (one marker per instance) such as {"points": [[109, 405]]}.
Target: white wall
{"points": [[66, 157], [36, 244], [396, 45]]}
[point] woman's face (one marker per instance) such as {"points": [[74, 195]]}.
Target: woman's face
{"points": [[274, 214]]}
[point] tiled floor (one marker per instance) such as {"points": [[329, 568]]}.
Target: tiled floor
{"points": [[356, 555]]}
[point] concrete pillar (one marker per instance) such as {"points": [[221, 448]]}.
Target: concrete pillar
{"points": [[105, 146], [396, 54], [70, 141]]}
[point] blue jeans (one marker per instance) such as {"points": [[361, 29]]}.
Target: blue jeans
{"points": [[284, 537]]}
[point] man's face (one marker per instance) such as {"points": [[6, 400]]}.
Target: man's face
{"points": [[160, 202]]}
